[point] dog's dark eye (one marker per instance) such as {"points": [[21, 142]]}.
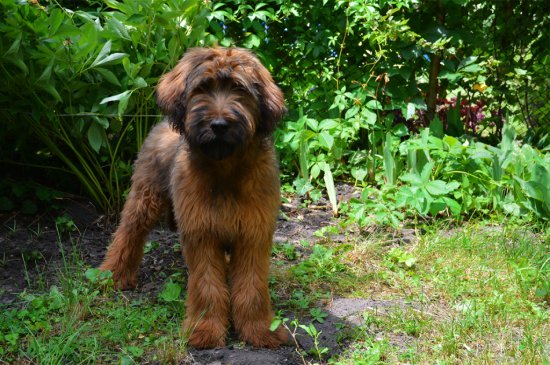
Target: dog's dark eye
{"points": [[239, 88]]}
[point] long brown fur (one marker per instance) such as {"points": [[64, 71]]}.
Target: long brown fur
{"points": [[220, 183]]}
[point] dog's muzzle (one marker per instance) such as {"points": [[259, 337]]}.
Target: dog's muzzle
{"points": [[218, 143], [219, 126]]}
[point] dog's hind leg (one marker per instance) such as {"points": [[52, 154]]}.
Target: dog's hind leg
{"points": [[141, 212]]}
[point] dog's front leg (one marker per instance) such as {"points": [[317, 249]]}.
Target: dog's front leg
{"points": [[208, 296], [250, 301]]}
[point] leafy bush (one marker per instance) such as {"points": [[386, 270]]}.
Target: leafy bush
{"points": [[82, 81], [453, 177]]}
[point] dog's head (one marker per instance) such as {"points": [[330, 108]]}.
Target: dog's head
{"points": [[220, 99]]}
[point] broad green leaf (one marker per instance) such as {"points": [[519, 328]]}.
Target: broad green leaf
{"points": [[108, 75], [437, 187], [374, 104], [275, 324], [411, 178], [139, 82], [436, 128], [92, 274], [123, 104], [328, 124], [369, 117], [312, 123], [326, 140], [437, 206], [95, 136], [315, 171], [171, 292], [453, 205], [467, 61], [135, 351], [118, 28], [252, 41], [359, 173], [351, 112], [426, 172], [472, 68], [508, 137]]}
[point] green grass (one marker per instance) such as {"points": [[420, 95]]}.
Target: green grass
{"points": [[479, 295], [474, 294]]}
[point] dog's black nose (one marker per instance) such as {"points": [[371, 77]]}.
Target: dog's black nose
{"points": [[219, 126]]}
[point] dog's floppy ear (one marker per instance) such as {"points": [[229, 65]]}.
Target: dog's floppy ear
{"points": [[172, 86], [272, 103]]}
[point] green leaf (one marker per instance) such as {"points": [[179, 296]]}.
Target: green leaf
{"points": [[275, 324], [135, 351], [118, 28], [139, 82], [436, 128], [410, 111], [252, 41], [312, 123], [116, 97], [102, 53], [14, 48], [108, 75], [369, 117], [95, 136], [110, 59], [45, 76], [50, 89], [351, 112], [171, 292], [92, 274], [326, 140], [331, 190], [467, 61], [123, 104], [472, 68], [453, 205], [389, 161], [328, 124], [508, 137], [437, 187], [426, 172], [374, 104]]}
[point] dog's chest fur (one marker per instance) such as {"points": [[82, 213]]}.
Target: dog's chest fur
{"points": [[225, 199]]}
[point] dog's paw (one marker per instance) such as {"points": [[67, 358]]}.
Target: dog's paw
{"points": [[266, 338], [122, 281], [206, 339]]}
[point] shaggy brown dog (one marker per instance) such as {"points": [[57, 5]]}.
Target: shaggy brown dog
{"points": [[213, 165]]}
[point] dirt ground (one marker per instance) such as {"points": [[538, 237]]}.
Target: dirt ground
{"points": [[34, 244]]}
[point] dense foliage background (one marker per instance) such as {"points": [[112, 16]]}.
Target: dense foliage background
{"points": [[431, 107]]}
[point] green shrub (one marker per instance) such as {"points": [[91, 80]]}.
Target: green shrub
{"points": [[82, 82]]}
